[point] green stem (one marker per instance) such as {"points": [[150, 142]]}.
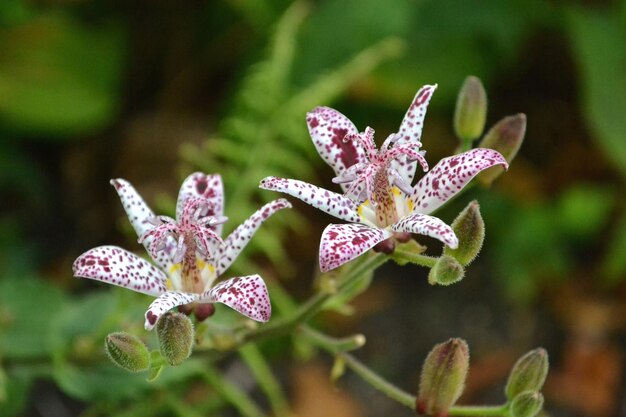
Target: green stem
{"points": [[414, 258], [478, 410], [257, 364], [315, 304], [231, 393]]}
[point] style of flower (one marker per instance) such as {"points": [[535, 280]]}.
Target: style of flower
{"points": [[188, 252], [392, 207]]}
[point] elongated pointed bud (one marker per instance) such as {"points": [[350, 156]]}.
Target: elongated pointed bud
{"points": [[506, 137], [127, 351], [528, 374], [469, 227], [447, 271], [471, 110], [175, 332], [338, 369], [443, 377], [527, 404]]}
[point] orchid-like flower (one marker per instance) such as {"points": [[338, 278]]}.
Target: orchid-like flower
{"points": [[392, 206], [188, 252]]}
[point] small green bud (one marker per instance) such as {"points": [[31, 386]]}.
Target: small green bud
{"points": [[528, 374], [469, 227], [471, 110], [176, 335], [127, 351], [527, 404], [506, 137], [338, 369], [443, 377], [446, 271]]}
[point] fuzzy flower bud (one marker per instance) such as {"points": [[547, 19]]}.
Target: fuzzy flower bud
{"points": [[528, 374], [506, 137], [469, 227], [443, 377], [127, 351], [527, 404], [446, 271], [471, 110], [176, 335]]}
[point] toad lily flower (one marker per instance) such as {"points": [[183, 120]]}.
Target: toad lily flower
{"points": [[188, 252], [393, 206]]}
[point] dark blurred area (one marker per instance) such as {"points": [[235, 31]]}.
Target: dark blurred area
{"points": [[150, 91]]}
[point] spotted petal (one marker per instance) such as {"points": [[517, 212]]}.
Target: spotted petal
{"points": [[424, 224], [117, 266], [247, 295], [343, 242], [166, 302], [327, 128], [143, 220], [207, 187], [450, 175], [239, 238], [411, 129], [327, 201]]}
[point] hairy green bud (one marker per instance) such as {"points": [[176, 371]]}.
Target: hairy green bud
{"points": [[175, 332], [469, 227], [443, 377], [506, 137], [471, 110], [447, 271], [527, 404], [127, 351], [528, 374]]}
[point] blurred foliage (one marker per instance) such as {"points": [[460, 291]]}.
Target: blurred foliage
{"points": [[68, 73]]}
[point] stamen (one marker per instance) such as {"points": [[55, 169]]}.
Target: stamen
{"points": [[181, 248], [399, 182]]}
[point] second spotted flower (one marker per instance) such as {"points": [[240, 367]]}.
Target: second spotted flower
{"points": [[379, 200]]}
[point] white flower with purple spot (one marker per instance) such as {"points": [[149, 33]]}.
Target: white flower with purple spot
{"points": [[378, 199], [188, 252]]}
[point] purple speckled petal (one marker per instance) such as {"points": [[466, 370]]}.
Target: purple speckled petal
{"points": [[411, 129], [247, 295], [117, 266], [429, 226], [327, 201], [166, 302], [207, 187], [343, 242], [327, 128], [142, 219], [450, 175], [239, 238]]}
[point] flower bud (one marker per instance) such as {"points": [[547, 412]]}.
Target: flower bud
{"points": [[506, 137], [527, 404], [338, 369], [127, 351], [469, 227], [446, 271], [175, 332], [528, 374], [471, 110], [443, 377]]}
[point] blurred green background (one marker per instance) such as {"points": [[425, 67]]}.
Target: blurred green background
{"points": [[151, 90]]}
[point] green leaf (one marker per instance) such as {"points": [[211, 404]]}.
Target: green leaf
{"points": [[57, 77], [27, 307], [598, 45]]}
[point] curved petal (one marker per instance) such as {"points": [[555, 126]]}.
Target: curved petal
{"points": [[327, 128], [239, 238], [411, 129], [327, 201], [166, 302], [143, 220], [248, 295], [117, 266], [450, 175], [429, 226], [207, 187], [343, 242]]}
